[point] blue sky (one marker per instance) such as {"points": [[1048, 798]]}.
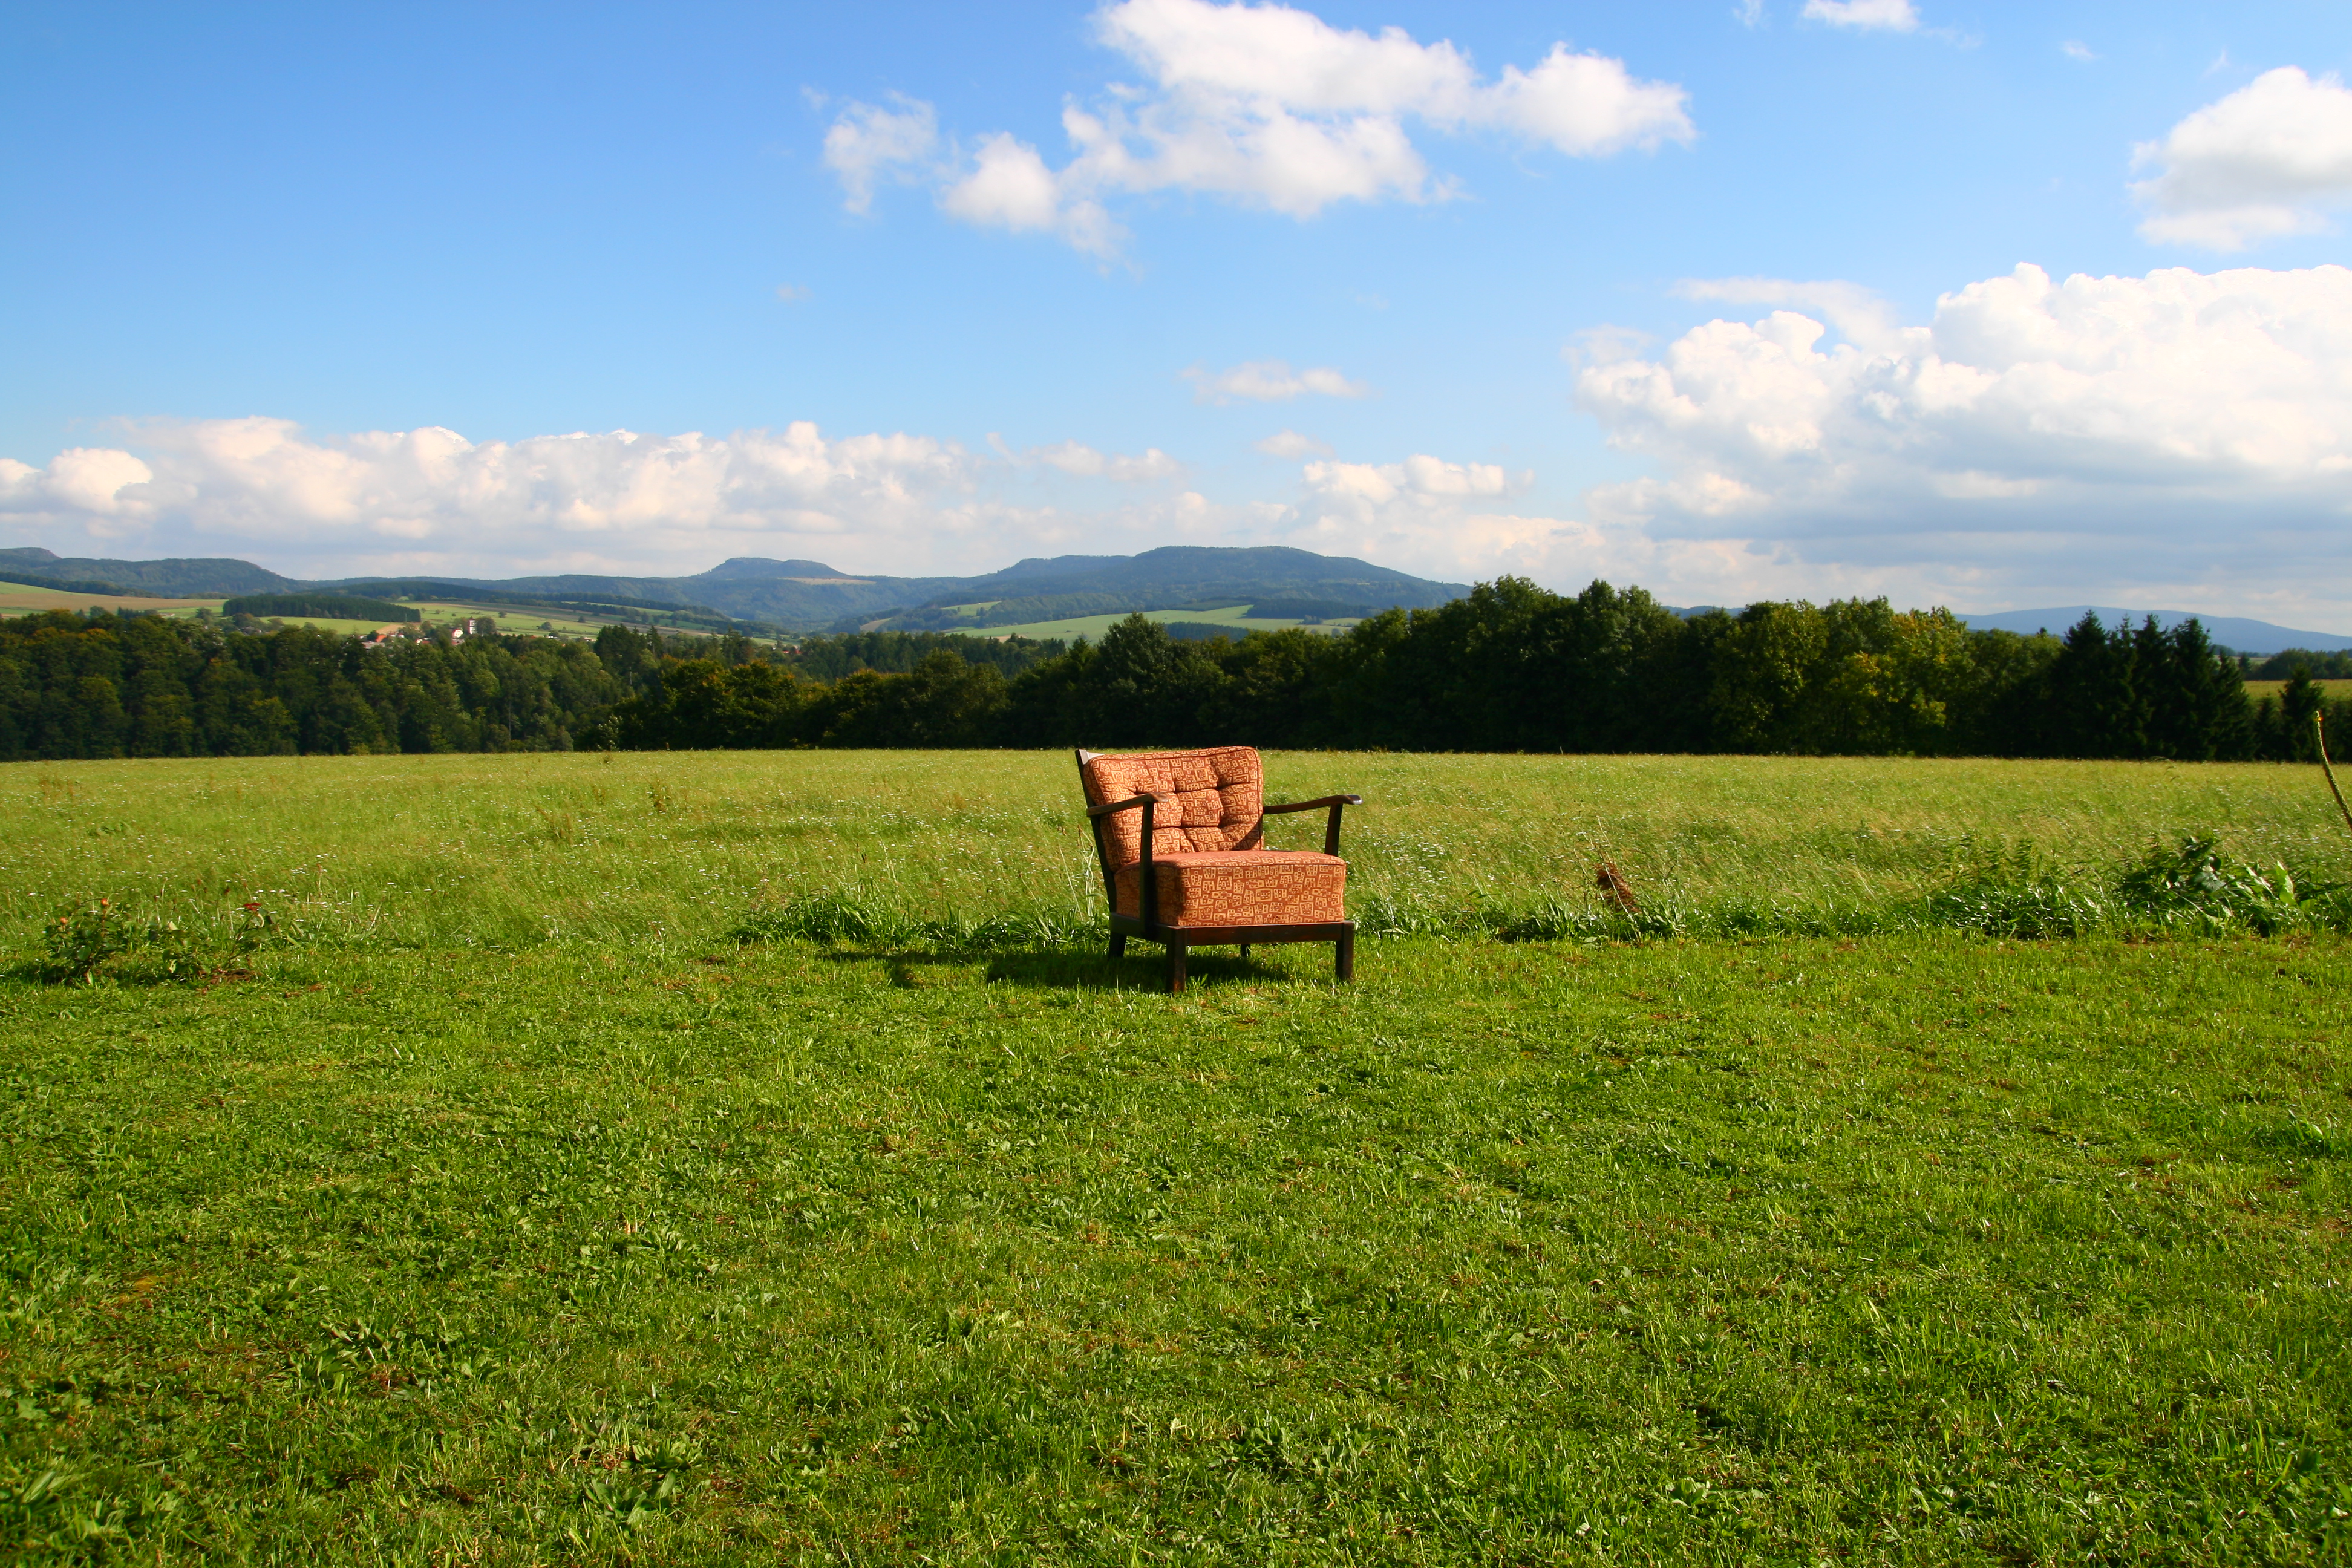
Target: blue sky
{"points": [[497, 288]]}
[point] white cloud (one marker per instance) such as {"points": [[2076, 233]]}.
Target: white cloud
{"points": [[1425, 514], [1292, 445], [430, 501], [2269, 160], [1861, 315], [1419, 480], [1889, 15], [1009, 187], [1076, 457], [2182, 438], [2175, 430], [868, 142], [95, 479], [2075, 49], [1270, 107], [1270, 380]]}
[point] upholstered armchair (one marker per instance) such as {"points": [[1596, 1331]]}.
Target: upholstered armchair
{"points": [[1181, 839]]}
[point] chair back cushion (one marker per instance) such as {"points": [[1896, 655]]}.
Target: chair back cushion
{"points": [[1208, 801]]}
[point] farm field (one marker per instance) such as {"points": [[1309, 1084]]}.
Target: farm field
{"points": [[2334, 690], [1072, 628], [23, 599], [485, 1199], [18, 599]]}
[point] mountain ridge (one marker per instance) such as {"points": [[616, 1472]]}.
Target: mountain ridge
{"points": [[799, 594], [2236, 633]]}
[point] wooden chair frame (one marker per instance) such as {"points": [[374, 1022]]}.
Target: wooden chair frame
{"points": [[1178, 939]]}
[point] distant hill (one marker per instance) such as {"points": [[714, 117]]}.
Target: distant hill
{"points": [[176, 579], [1279, 582], [2233, 631], [809, 595], [801, 596]]}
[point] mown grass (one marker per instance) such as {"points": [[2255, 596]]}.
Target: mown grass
{"points": [[412, 1232]]}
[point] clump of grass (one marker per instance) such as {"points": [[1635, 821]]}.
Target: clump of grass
{"points": [[2192, 887]]}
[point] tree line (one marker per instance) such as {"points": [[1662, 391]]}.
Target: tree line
{"points": [[1508, 668]]}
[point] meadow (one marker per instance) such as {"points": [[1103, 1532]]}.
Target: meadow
{"points": [[512, 1174], [1069, 628]]}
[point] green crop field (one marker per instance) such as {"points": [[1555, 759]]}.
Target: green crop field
{"points": [[482, 1171]]}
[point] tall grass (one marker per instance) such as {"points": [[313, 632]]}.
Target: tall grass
{"points": [[682, 852], [2193, 888]]}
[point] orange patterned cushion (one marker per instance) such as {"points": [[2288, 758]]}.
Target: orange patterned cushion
{"points": [[1208, 800], [1245, 887]]}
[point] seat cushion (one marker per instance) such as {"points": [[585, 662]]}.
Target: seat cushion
{"points": [[1241, 887], [1208, 800]]}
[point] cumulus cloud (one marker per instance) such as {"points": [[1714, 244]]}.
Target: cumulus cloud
{"points": [[2180, 428], [430, 500], [94, 482], [1419, 481], [1077, 458], [2271, 159], [1451, 521], [1863, 318], [1269, 107], [1270, 380], [1887, 16], [867, 142]]}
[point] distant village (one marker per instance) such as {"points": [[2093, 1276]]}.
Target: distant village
{"points": [[412, 631]]}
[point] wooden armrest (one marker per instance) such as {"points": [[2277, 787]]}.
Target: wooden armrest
{"points": [[1312, 804], [1122, 806], [1333, 803]]}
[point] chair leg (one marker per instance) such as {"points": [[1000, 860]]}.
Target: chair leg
{"points": [[1175, 968], [1343, 958], [1245, 947], [1118, 946]]}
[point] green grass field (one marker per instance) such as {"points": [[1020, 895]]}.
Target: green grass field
{"points": [[491, 1204], [1093, 627]]}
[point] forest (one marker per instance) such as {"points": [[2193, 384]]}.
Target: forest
{"points": [[1510, 667]]}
